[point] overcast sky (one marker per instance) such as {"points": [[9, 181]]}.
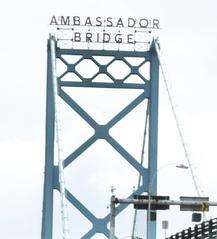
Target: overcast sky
{"points": [[188, 39]]}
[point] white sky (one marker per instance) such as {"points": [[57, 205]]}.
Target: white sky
{"points": [[189, 46]]}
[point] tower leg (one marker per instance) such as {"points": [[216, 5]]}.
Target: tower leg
{"points": [[47, 214], [153, 136]]}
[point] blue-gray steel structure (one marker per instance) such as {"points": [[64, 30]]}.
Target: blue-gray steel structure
{"points": [[149, 92]]}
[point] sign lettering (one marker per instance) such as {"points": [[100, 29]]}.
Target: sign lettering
{"points": [[128, 31]]}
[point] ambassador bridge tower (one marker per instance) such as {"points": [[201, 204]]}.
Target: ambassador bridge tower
{"points": [[85, 83]]}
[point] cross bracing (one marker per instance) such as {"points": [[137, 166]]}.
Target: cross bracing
{"points": [[149, 89]]}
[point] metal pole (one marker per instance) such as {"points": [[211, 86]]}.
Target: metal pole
{"points": [[150, 190], [166, 202], [149, 215], [112, 215]]}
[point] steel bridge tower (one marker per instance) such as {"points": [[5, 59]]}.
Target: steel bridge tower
{"points": [[149, 89]]}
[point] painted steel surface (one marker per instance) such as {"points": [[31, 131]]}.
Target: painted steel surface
{"points": [[149, 92]]}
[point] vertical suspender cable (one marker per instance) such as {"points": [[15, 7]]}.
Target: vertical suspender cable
{"points": [[176, 120], [64, 210]]}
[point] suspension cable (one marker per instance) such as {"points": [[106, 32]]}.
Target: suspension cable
{"points": [[141, 162], [176, 119], [64, 209]]}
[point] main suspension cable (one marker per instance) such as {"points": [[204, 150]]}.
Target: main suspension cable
{"points": [[176, 120]]}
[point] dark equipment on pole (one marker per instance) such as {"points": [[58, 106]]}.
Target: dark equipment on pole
{"points": [[153, 205], [196, 217], [153, 216]]}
